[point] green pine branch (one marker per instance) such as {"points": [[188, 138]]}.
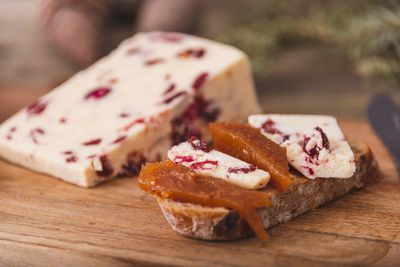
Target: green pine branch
{"points": [[368, 31]]}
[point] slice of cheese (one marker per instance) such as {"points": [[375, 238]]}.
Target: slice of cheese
{"points": [[195, 155], [315, 145], [155, 90]]}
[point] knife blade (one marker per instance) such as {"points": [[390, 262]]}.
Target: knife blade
{"points": [[384, 117]]}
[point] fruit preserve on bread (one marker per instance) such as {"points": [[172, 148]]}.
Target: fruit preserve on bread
{"points": [[173, 181], [248, 144]]}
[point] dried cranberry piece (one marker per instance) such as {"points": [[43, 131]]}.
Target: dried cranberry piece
{"points": [[10, 133], [198, 144], [192, 52], [123, 115], [39, 130], [35, 132], [250, 168], [107, 169], [92, 142], [202, 165], [184, 126], [136, 121], [170, 88], [199, 81], [130, 169], [119, 139], [309, 170], [98, 93], [309, 159], [205, 110], [269, 127], [140, 120], [208, 111], [199, 53], [325, 141], [181, 130], [173, 97], [71, 159], [36, 108], [154, 61], [133, 165], [182, 159], [314, 152], [63, 120]]}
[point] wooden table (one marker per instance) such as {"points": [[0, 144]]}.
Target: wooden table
{"points": [[45, 222]]}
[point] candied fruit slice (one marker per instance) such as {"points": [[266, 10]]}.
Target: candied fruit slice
{"points": [[169, 180], [244, 142]]}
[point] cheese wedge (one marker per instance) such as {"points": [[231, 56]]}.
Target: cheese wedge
{"points": [[194, 154], [315, 145], [155, 90]]}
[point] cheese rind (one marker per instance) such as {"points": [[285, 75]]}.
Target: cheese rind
{"points": [[219, 165], [156, 89], [315, 145]]}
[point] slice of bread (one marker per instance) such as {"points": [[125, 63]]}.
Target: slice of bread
{"points": [[210, 223]]}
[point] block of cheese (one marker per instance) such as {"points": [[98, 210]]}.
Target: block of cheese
{"points": [[155, 90], [315, 145], [195, 154]]}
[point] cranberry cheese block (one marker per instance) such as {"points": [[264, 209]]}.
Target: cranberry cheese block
{"points": [[315, 145], [196, 155], [155, 90]]}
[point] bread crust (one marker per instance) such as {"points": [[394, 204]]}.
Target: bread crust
{"points": [[304, 194]]}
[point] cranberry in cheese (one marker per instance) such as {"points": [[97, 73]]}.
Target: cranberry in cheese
{"points": [[155, 90], [195, 155], [315, 145]]}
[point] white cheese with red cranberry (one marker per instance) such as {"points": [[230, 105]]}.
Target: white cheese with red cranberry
{"points": [[195, 155], [155, 90], [315, 145]]}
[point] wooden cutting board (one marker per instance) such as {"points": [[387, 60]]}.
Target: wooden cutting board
{"points": [[45, 222]]}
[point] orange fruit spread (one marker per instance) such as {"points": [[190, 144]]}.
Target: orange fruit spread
{"points": [[244, 142], [169, 180]]}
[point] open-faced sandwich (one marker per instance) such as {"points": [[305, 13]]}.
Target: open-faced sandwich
{"points": [[156, 90], [257, 175]]}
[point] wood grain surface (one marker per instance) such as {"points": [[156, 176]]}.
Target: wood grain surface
{"points": [[45, 222]]}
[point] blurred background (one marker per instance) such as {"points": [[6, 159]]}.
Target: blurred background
{"points": [[309, 56]]}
